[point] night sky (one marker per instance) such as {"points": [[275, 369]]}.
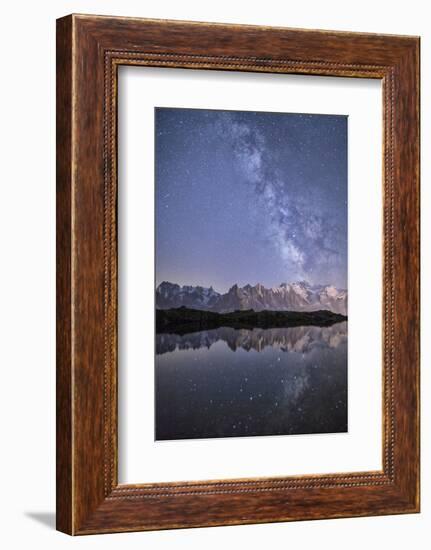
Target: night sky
{"points": [[250, 197]]}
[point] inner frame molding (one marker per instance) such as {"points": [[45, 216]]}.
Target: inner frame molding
{"points": [[112, 61], [90, 50]]}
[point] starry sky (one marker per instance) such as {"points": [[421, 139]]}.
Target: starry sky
{"points": [[250, 197]]}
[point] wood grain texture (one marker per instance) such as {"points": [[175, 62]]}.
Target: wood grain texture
{"points": [[64, 496], [90, 49]]}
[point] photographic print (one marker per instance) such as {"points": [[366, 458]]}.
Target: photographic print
{"points": [[251, 273]]}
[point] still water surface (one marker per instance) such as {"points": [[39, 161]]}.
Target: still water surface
{"points": [[230, 383]]}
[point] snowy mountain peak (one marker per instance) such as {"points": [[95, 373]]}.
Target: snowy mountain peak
{"points": [[170, 295], [331, 291]]}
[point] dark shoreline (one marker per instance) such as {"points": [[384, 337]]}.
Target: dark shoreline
{"points": [[185, 320]]}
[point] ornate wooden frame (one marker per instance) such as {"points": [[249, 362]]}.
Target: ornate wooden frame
{"points": [[89, 51]]}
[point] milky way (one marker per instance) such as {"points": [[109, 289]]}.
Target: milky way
{"points": [[246, 197]]}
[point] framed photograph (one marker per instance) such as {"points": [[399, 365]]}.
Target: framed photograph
{"points": [[237, 274]]}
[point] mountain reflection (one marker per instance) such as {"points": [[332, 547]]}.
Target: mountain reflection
{"points": [[294, 339], [233, 383]]}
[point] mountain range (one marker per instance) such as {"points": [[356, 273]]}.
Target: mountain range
{"points": [[297, 296]]}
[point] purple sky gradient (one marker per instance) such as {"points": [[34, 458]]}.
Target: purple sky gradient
{"points": [[248, 197]]}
